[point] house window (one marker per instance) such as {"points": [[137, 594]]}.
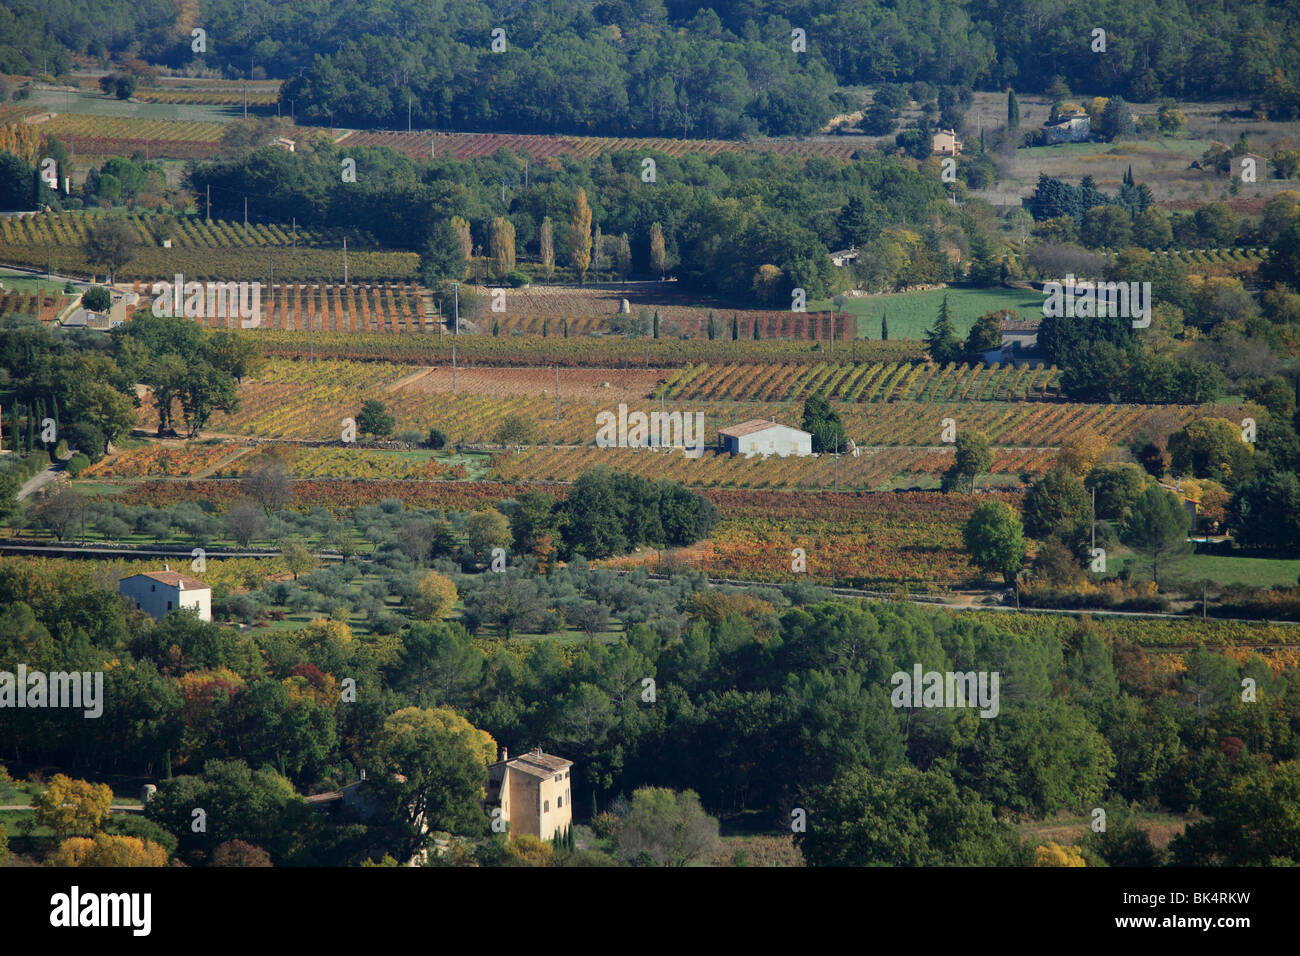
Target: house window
{"points": [[559, 802], [153, 587], [169, 605], [546, 806], [566, 792]]}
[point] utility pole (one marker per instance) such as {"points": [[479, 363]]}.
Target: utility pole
{"points": [[453, 366], [408, 112], [208, 204], [245, 217], [557, 394], [345, 261], [1094, 520], [295, 233], [455, 317]]}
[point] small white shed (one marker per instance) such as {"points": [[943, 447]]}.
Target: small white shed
{"points": [[762, 437]]}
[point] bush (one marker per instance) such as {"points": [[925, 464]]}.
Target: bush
{"points": [[437, 439], [77, 464], [96, 299], [517, 279]]}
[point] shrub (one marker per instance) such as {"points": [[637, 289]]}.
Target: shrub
{"points": [[517, 279], [77, 463], [437, 439]]}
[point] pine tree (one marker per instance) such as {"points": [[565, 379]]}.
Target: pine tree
{"points": [[942, 340], [884, 326]]}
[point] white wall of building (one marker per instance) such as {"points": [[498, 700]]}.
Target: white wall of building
{"points": [[778, 440], [157, 599]]}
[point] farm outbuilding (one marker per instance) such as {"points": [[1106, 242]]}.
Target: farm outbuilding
{"points": [[763, 437]]}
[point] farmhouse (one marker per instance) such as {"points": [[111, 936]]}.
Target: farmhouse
{"points": [[1019, 344], [762, 437], [532, 792], [843, 257], [1072, 127], [946, 143], [159, 592]]}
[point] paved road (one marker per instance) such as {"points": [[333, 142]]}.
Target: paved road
{"points": [[39, 481]]}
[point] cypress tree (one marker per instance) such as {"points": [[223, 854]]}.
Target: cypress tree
{"points": [[756, 335], [566, 328], [713, 327], [1013, 110], [884, 326], [545, 325], [656, 323], [735, 326]]}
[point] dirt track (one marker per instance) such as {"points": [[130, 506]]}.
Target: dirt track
{"points": [[586, 384]]}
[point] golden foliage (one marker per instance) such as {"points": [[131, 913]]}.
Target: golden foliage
{"points": [[528, 850], [72, 806], [109, 850], [436, 596], [1053, 854]]}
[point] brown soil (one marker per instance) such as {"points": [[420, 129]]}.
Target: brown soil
{"points": [[586, 384]]}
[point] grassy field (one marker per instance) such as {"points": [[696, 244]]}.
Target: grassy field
{"points": [[911, 313], [22, 282], [1221, 569]]}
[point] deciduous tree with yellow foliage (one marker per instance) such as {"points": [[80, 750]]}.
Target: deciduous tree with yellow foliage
{"points": [[108, 850], [1053, 854], [72, 806]]}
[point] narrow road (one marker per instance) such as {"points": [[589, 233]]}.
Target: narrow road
{"points": [[39, 480]]}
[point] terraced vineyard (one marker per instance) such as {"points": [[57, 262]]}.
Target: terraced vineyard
{"points": [[200, 250], [871, 468], [423, 145], [892, 382], [357, 307], [44, 305], [591, 352], [300, 400], [1235, 261], [208, 97], [98, 135]]}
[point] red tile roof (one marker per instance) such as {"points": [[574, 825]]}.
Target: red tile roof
{"points": [[172, 579], [749, 427]]}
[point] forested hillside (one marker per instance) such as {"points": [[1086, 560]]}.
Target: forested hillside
{"points": [[649, 68]]}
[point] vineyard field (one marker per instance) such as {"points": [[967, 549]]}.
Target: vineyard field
{"points": [[301, 400], [328, 307], [872, 468], [423, 144], [592, 352], [45, 306], [694, 323], [906, 382], [857, 539]]}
